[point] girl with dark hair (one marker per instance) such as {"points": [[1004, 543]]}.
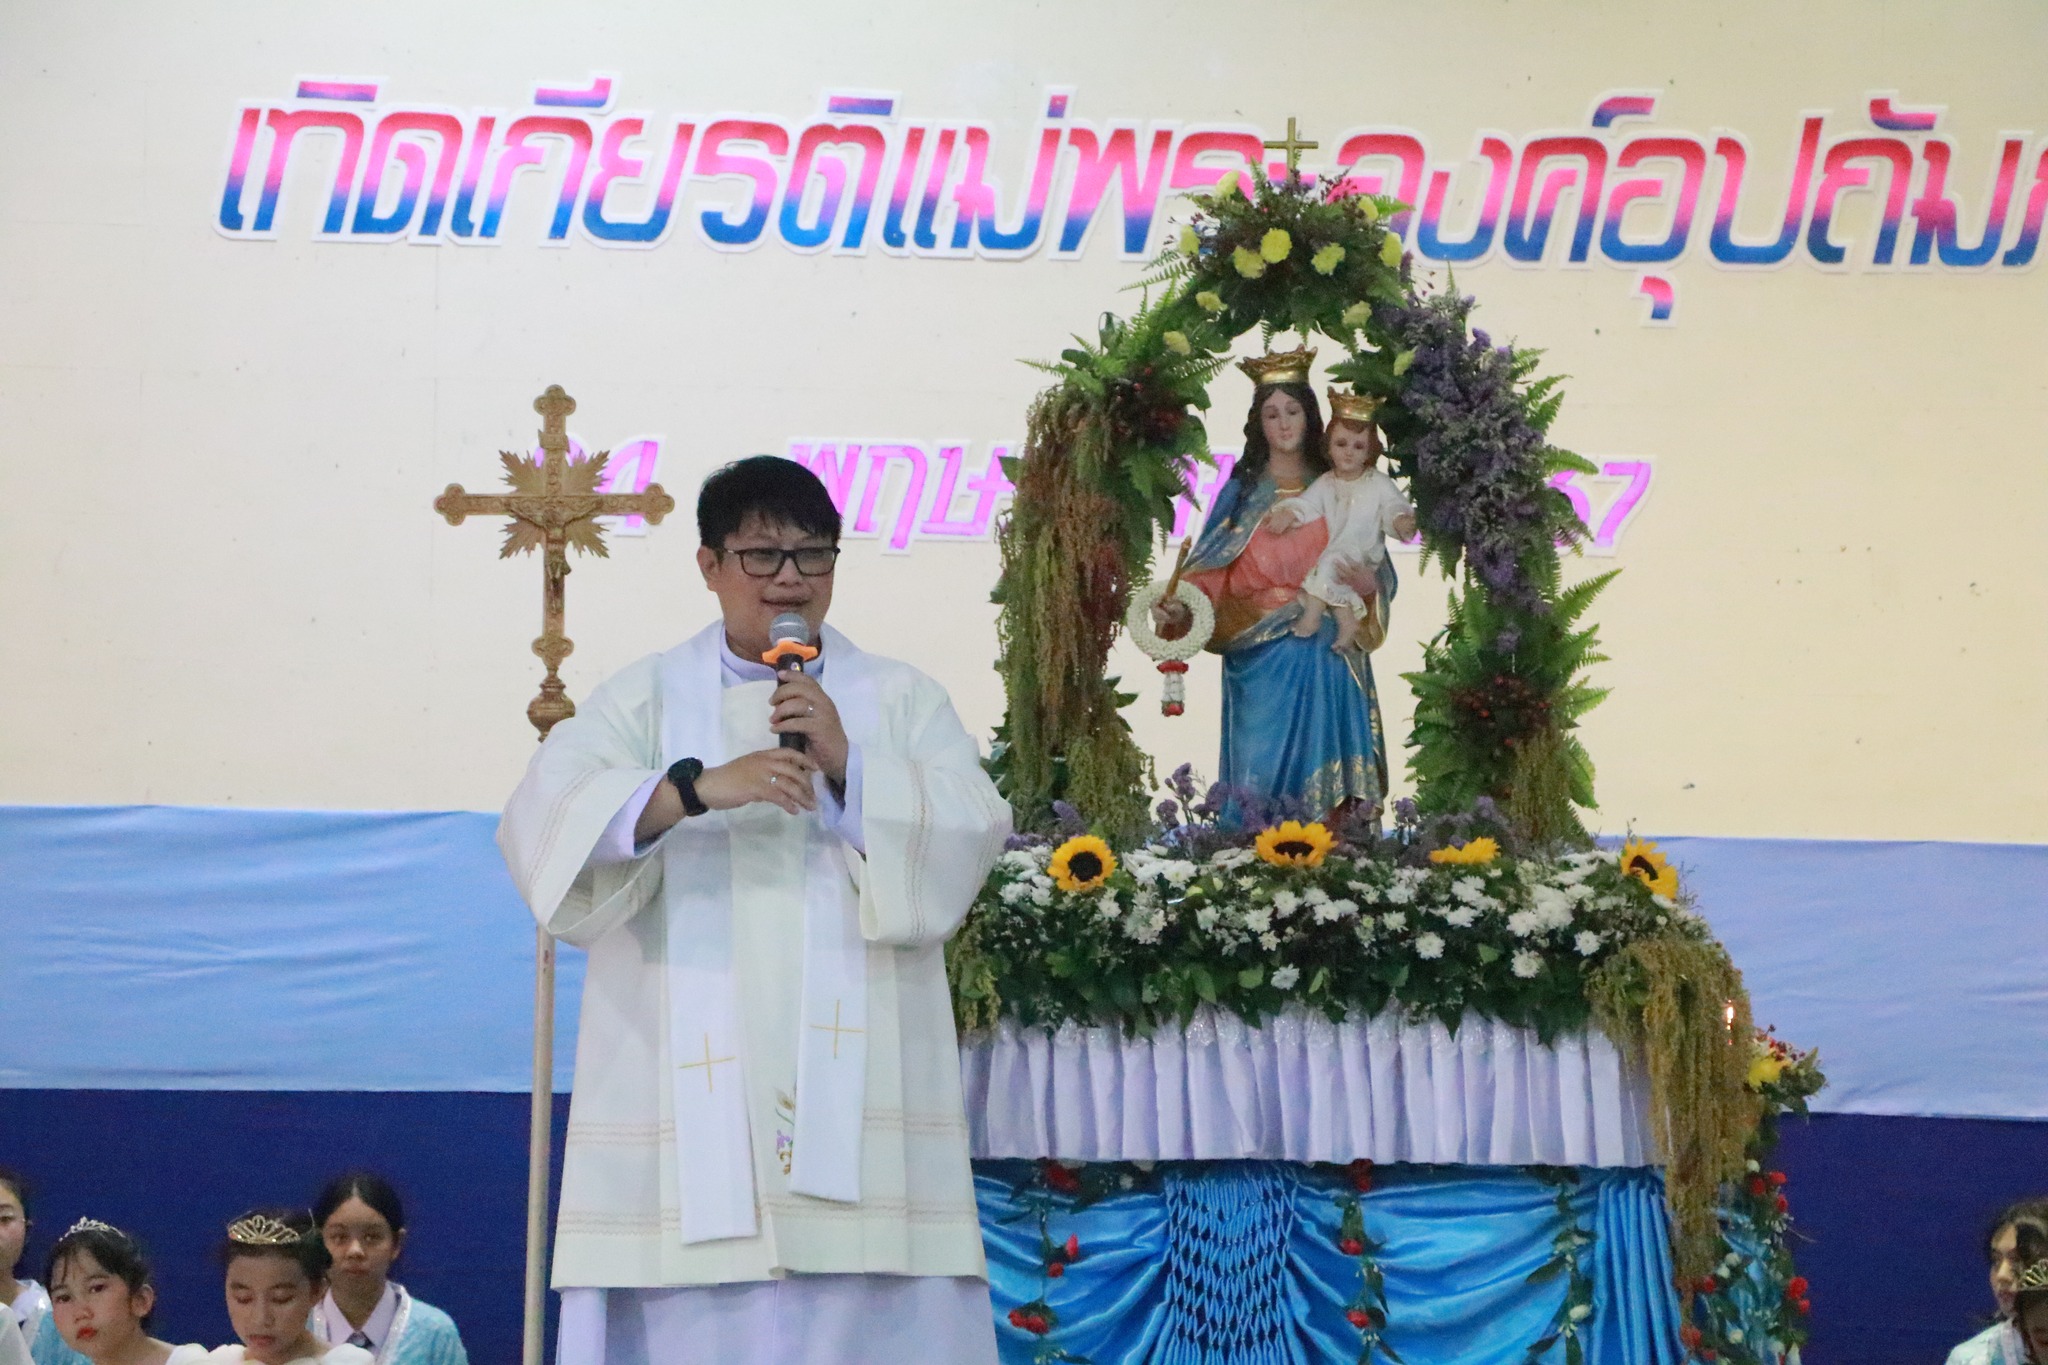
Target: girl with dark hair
{"points": [[2030, 1291], [101, 1299], [24, 1300], [2001, 1343], [362, 1222], [276, 1268], [1301, 717]]}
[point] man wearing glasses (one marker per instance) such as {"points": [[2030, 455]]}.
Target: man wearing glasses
{"points": [[766, 1158]]}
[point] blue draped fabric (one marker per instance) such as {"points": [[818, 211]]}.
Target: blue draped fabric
{"points": [[1300, 721], [1239, 1263]]}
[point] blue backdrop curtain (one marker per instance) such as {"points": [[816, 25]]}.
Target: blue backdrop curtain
{"points": [[1243, 1262]]}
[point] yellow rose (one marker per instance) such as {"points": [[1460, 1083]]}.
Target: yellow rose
{"points": [[1357, 315], [1189, 243], [1249, 263], [1210, 300], [1370, 210], [1328, 259], [1227, 185], [1764, 1069], [1177, 342], [1390, 250], [1275, 245]]}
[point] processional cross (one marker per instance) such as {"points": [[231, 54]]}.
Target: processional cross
{"points": [[1291, 147], [554, 503]]}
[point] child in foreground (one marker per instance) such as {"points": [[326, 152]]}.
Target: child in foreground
{"points": [[102, 1296], [276, 1267]]}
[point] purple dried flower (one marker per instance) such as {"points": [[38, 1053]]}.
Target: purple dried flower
{"points": [[1069, 818], [1169, 814]]}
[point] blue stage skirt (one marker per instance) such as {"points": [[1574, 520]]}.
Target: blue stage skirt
{"points": [[1258, 1263]]}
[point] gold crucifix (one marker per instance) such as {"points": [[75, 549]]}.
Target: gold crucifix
{"points": [[554, 503], [834, 1029], [708, 1063], [1292, 147]]}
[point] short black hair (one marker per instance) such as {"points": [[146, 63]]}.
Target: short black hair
{"points": [[15, 1181], [781, 492], [309, 1250], [368, 1186], [119, 1254]]}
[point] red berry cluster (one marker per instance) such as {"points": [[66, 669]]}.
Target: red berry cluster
{"points": [[1505, 709], [1365, 1319], [1062, 1257], [1035, 1323]]}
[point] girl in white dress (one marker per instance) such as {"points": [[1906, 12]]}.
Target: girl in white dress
{"points": [[101, 1298], [276, 1273]]}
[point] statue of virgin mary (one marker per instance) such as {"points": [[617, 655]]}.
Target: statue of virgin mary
{"points": [[1301, 720]]}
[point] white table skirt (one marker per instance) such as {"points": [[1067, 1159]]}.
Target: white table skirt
{"points": [[1301, 1088]]}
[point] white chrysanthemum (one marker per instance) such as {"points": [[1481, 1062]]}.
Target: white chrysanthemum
{"points": [[1524, 923], [1461, 918], [1247, 883], [1553, 909], [1363, 888], [1285, 978], [1232, 857], [1205, 918], [1022, 859], [1401, 893], [1315, 895], [1041, 896], [1329, 912], [1664, 902], [1394, 921], [1014, 892], [1256, 918], [1526, 964], [1145, 924], [1269, 942], [1106, 906], [1285, 903], [1587, 942], [1430, 946], [1178, 871]]}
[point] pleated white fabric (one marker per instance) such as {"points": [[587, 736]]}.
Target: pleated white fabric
{"points": [[1301, 1088], [797, 1320]]}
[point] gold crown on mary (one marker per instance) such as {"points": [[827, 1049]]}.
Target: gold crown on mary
{"points": [[261, 1230], [1281, 367], [2033, 1277], [1354, 407]]}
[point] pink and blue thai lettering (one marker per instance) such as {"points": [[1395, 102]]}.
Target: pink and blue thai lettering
{"points": [[909, 493], [1887, 192]]}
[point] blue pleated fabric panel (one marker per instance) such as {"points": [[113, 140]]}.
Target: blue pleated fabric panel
{"points": [[1238, 1263]]}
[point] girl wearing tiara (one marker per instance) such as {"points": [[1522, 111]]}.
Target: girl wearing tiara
{"points": [[276, 1273], [101, 1298]]}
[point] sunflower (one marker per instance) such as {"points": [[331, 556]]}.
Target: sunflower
{"points": [[1082, 863], [1641, 860], [1293, 844], [1472, 854]]}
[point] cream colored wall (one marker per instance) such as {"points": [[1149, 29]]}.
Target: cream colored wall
{"points": [[222, 582]]}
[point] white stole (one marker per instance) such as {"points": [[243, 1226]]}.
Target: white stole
{"points": [[714, 1162]]}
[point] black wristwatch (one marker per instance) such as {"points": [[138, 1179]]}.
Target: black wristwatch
{"points": [[684, 773]]}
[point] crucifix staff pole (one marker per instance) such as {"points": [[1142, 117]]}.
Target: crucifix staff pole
{"points": [[554, 504]]}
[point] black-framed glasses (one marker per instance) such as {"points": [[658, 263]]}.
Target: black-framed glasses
{"points": [[812, 561]]}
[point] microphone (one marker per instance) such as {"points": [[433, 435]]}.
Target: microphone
{"points": [[791, 649]]}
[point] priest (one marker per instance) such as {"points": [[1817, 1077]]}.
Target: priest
{"points": [[767, 1158]]}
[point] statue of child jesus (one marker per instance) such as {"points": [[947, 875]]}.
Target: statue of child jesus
{"points": [[1362, 507]]}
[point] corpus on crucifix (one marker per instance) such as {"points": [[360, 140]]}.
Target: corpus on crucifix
{"points": [[554, 504]]}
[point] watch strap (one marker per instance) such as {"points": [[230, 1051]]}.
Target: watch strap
{"points": [[683, 773]]}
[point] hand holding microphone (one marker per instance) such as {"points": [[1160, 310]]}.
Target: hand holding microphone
{"points": [[801, 714]]}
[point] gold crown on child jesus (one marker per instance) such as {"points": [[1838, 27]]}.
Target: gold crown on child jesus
{"points": [[1283, 367], [2033, 1277], [261, 1230], [1353, 407]]}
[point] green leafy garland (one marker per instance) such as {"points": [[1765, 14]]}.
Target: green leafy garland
{"points": [[1111, 444]]}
